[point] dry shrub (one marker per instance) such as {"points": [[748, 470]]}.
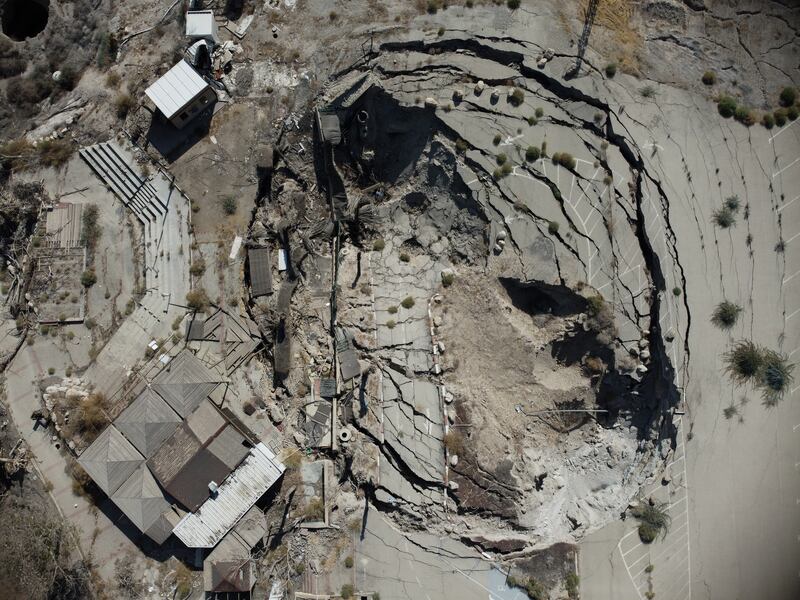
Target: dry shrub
{"points": [[616, 16], [54, 153], [594, 364], [314, 510], [89, 418], [454, 442]]}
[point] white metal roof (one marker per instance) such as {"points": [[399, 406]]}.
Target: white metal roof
{"points": [[176, 88], [236, 495], [200, 23]]}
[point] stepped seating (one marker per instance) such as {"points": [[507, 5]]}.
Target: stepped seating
{"points": [[136, 192]]}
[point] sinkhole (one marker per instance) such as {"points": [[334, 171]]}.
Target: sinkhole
{"points": [[23, 19]]}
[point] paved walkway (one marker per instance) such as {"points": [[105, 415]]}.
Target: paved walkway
{"points": [[99, 537]]}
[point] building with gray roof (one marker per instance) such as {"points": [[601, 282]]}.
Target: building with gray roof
{"points": [[185, 383], [110, 460], [147, 422]]}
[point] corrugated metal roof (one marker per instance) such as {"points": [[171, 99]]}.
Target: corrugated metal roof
{"points": [[176, 88], [260, 271], [240, 490]]}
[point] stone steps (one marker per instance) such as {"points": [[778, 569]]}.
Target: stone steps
{"points": [[135, 191]]}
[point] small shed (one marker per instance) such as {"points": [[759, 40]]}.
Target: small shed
{"points": [[181, 94], [200, 25], [260, 267]]}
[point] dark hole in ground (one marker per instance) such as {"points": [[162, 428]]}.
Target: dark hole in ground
{"points": [[23, 19]]}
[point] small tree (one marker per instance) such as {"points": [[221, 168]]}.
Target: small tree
{"points": [[517, 97], [532, 154], [611, 70]]}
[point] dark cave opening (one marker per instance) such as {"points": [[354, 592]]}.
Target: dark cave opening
{"points": [[23, 19]]}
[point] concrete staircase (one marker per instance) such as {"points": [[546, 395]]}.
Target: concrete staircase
{"points": [[136, 192]]}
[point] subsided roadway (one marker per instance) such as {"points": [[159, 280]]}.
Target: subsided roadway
{"points": [[740, 536]]}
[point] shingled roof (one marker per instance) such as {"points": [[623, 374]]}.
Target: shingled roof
{"points": [[141, 499], [147, 422], [110, 460], [184, 383]]}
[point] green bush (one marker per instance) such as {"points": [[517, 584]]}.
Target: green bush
{"points": [[726, 314], [517, 97], [392, 310], [611, 70], [654, 520], [88, 278], [566, 160], [348, 562], [552, 227], [391, 324], [572, 585], [709, 78], [539, 112], [229, 205], [676, 291], [378, 245], [90, 230], [780, 117], [497, 139], [347, 589], [732, 203], [776, 376], [513, 4], [743, 361], [726, 106], [788, 96], [768, 121], [724, 218], [532, 154], [745, 116], [506, 169], [408, 302], [461, 146], [792, 113], [648, 91], [404, 257], [501, 159], [448, 277]]}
